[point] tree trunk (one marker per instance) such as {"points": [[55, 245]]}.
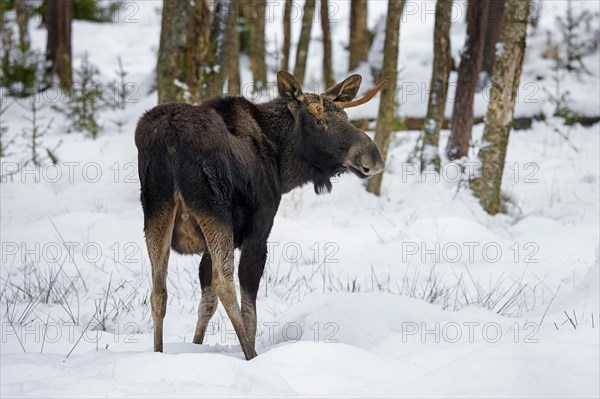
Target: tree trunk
{"points": [[257, 43], [22, 23], [468, 76], [287, 34], [233, 67], [225, 38], [442, 62], [492, 35], [359, 33], [200, 52], [499, 119], [58, 49], [174, 63], [327, 68], [387, 103], [185, 57], [304, 40]]}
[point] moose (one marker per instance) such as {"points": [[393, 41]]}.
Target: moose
{"points": [[212, 177]]}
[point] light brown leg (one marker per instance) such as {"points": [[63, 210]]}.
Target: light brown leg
{"points": [[209, 301], [206, 310], [158, 232], [219, 238]]}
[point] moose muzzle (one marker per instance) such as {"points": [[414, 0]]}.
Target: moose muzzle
{"points": [[364, 159]]}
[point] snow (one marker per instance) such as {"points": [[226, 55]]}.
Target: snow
{"points": [[417, 293], [430, 152], [499, 49]]}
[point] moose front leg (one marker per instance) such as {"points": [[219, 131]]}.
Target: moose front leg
{"points": [[219, 238], [252, 264]]}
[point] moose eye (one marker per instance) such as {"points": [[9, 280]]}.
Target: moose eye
{"points": [[320, 122]]}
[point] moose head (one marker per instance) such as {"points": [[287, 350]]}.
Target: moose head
{"points": [[324, 136]]}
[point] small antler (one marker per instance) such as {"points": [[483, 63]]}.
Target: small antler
{"points": [[365, 98]]}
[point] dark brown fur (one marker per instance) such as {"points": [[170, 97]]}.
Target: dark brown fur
{"points": [[212, 177]]}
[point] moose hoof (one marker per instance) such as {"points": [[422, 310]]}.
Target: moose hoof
{"points": [[251, 354]]}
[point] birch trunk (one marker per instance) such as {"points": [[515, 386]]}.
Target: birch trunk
{"points": [[499, 119], [442, 62], [387, 103]]}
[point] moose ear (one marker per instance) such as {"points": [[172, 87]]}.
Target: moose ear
{"points": [[346, 90], [289, 88]]}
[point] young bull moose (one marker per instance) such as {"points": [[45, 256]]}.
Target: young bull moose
{"points": [[212, 177]]}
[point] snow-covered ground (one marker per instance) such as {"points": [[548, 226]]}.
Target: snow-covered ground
{"points": [[417, 293]]}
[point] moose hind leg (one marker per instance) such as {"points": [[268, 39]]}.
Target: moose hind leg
{"points": [[219, 238], [158, 230], [208, 302], [252, 264]]}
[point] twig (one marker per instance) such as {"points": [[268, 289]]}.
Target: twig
{"points": [[569, 318], [556, 130]]}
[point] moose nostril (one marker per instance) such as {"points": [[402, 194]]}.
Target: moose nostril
{"points": [[370, 166], [366, 165]]}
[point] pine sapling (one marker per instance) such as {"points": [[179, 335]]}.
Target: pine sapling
{"points": [[580, 37], [87, 100], [4, 141], [34, 133], [123, 92], [122, 89]]}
